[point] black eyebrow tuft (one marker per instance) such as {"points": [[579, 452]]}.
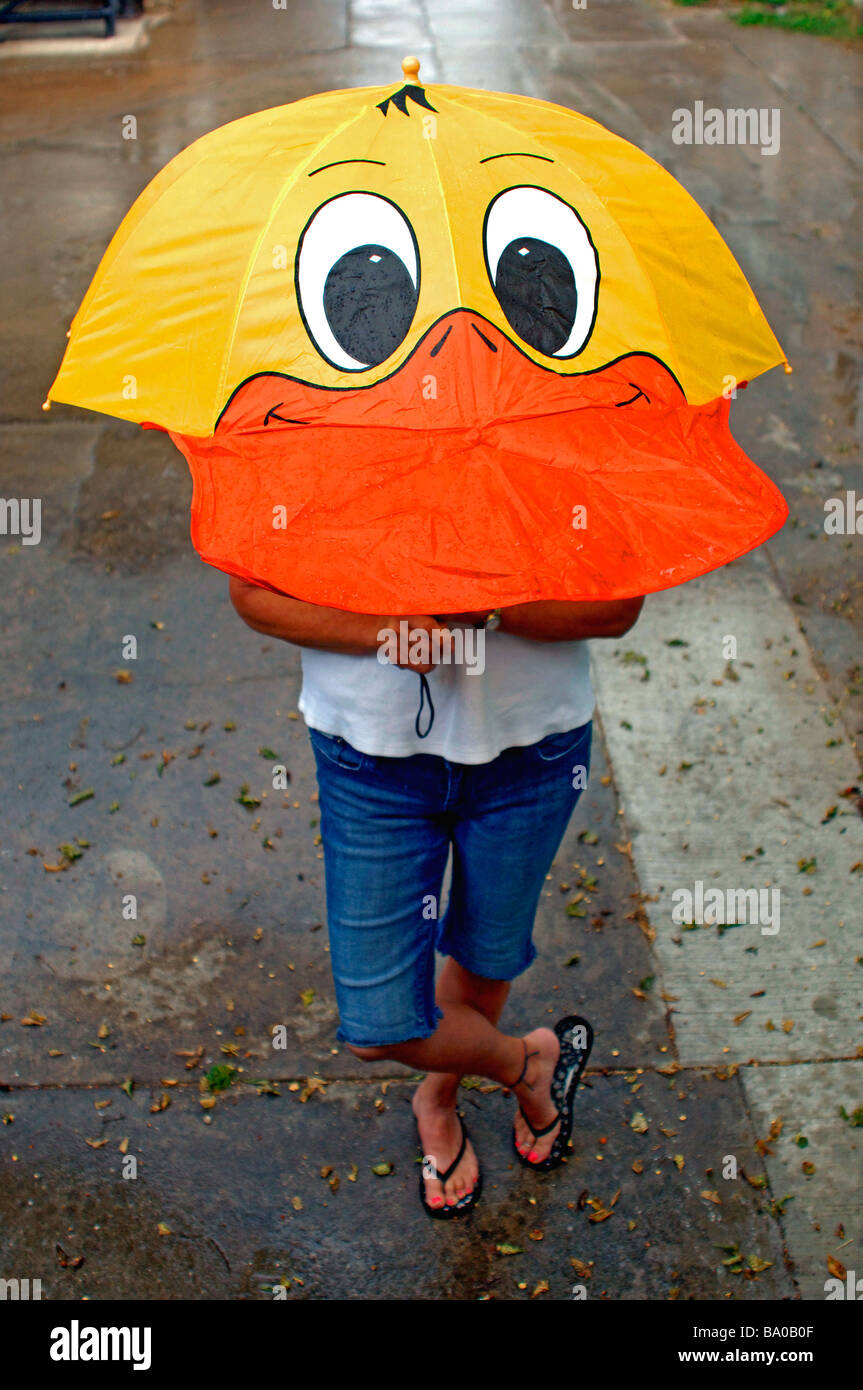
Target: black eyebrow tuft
{"points": [[399, 99]]}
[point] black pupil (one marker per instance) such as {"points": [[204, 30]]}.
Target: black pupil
{"points": [[535, 286], [369, 301]]}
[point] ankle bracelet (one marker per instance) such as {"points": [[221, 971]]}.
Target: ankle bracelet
{"points": [[527, 1055]]}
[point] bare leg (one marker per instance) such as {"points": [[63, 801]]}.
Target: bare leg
{"points": [[466, 1041], [434, 1101], [458, 986]]}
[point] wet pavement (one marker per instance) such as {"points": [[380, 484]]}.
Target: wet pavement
{"points": [[230, 938]]}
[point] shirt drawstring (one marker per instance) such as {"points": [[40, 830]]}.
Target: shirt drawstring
{"points": [[425, 694]]}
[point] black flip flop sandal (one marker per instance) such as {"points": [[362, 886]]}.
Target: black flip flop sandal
{"points": [[465, 1203], [564, 1084]]}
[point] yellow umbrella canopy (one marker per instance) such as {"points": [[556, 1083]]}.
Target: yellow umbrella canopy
{"points": [[197, 291], [430, 349]]}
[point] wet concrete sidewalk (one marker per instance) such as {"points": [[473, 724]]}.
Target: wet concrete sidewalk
{"points": [[108, 1024]]}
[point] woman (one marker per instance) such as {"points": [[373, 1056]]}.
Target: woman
{"points": [[493, 778]]}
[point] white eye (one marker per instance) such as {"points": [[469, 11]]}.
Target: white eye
{"points": [[544, 269], [357, 279]]}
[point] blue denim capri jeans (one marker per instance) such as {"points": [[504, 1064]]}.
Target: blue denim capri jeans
{"points": [[387, 825]]}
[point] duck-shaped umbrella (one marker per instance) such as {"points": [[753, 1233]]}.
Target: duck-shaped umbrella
{"points": [[432, 349]]}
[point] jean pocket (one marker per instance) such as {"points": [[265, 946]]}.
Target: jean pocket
{"points": [[336, 749], [556, 747]]}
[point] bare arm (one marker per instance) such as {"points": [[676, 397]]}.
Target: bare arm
{"points": [[558, 621], [312, 625], [356, 634], [305, 624]]}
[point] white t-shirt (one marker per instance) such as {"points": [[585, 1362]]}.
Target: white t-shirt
{"points": [[525, 691]]}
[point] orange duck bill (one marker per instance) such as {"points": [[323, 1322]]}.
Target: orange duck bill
{"points": [[474, 478]]}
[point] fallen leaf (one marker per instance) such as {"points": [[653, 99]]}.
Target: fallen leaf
{"points": [[65, 1262], [194, 1057], [638, 1123]]}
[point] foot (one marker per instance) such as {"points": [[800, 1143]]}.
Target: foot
{"points": [[534, 1095], [441, 1135]]}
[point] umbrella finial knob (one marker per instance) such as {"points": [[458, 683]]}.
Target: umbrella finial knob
{"points": [[411, 69]]}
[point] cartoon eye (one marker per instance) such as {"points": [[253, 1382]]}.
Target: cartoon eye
{"points": [[357, 279], [544, 269]]}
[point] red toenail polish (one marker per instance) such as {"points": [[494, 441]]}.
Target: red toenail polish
{"points": [[533, 1156]]}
